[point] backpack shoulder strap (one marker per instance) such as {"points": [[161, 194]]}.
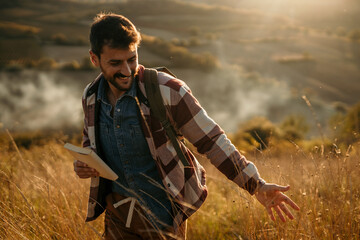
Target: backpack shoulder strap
{"points": [[158, 109], [165, 70]]}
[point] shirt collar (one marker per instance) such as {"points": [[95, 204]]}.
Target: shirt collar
{"points": [[102, 90], [132, 91]]}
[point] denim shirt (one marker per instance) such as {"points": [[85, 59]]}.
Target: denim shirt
{"points": [[128, 155]]}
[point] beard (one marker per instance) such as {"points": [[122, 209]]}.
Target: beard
{"points": [[113, 81], [119, 86]]}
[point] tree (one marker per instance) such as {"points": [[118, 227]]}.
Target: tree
{"points": [[355, 35], [294, 127], [260, 129], [350, 130]]}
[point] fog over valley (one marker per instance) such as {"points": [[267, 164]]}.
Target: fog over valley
{"points": [[33, 100]]}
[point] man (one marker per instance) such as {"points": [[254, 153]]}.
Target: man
{"points": [[155, 193]]}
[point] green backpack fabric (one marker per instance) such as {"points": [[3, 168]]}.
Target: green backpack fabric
{"points": [[158, 109]]}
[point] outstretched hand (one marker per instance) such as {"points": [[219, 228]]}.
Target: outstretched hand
{"points": [[271, 196]]}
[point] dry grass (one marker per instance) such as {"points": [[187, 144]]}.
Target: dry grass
{"points": [[324, 185], [41, 198]]}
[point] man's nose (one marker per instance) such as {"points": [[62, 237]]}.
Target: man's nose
{"points": [[125, 69]]}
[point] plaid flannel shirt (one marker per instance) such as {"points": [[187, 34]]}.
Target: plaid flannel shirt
{"points": [[185, 185]]}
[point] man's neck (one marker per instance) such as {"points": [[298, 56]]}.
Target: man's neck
{"points": [[111, 97]]}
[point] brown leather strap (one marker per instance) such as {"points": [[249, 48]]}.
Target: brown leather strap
{"points": [[158, 109]]}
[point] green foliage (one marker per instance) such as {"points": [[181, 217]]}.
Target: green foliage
{"points": [[194, 41], [81, 40], [14, 30], [211, 36], [13, 66], [47, 64], [73, 65], [294, 127], [350, 130], [340, 31], [298, 58], [59, 38], [257, 132], [19, 50], [354, 35], [180, 57], [86, 64], [62, 39], [336, 122], [194, 31], [319, 146]]}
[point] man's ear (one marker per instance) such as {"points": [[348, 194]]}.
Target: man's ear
{"points": [[94, 59]]}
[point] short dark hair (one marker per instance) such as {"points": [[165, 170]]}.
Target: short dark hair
{"points": [[113, 30]]}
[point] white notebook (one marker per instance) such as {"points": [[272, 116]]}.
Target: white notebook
{"points": [[89, 157]]}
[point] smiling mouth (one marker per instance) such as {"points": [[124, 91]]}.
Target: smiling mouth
{"points": [[122, 77]]}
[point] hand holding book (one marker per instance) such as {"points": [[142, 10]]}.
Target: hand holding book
{"points": [[83, 170], [88, 158]]}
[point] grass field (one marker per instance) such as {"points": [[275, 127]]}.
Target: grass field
{"points": [[269, 58], [41, 198]]}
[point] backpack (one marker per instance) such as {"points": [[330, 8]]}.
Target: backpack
{"points": [[158, 109]]}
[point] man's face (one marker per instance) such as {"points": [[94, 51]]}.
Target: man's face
{"points": [[118, 66]]}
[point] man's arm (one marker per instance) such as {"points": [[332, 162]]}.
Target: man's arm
{"points": [[209, 139]]}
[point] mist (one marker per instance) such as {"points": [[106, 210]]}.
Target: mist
{"points": [[232, 96], [31, 100]]}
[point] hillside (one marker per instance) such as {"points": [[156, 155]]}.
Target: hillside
{"points": [[268, 58]]}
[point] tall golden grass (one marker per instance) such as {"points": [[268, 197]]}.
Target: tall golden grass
{"points": [[41, 198], [324, 185]]}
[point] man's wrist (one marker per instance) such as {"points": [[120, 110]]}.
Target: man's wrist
{"points": [[261, 182]]}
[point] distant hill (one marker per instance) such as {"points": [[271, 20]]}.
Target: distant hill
{"points": [[320, 13], [311, 46]]}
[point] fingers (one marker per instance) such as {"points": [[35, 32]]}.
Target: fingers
{"points": [[78, 163], [268, 209], [291, 203], [286, 211], [270, 187], [87, 173], [272, 196], [83, 170], [281, 188], [281, 216], [279, 206]]}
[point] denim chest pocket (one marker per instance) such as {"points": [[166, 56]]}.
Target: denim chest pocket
{"points": [[139, 142], [107, 139]]}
